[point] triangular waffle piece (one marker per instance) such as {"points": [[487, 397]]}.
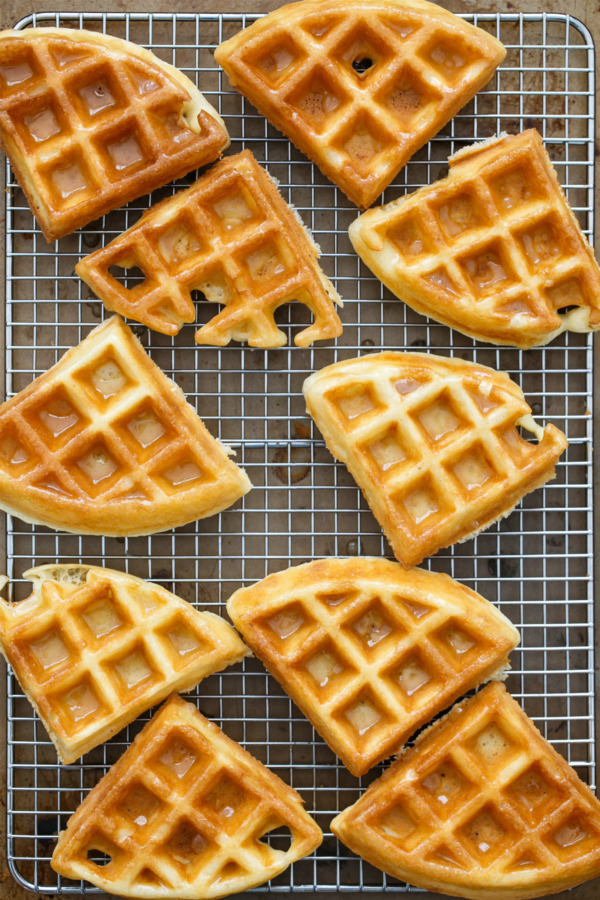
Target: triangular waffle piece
{"points": [[231, 236], [433, 443], [493, 250], [359, 86], [481, 807], [105, 443], [371, 651], [186, 814], [93, 649], [90, 122]]}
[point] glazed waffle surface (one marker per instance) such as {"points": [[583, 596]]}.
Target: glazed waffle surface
{"points": [[360, 86], [493, 250], [433, 443], [90, 122], [104, 443], [369, 651], [481, 807], [231, 236], [184, 814], [93, 649]]}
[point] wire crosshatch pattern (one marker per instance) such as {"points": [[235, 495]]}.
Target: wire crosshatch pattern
{"points": [[536, 565]]}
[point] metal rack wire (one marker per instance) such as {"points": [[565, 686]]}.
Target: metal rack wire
{"points": [[536, 565]]}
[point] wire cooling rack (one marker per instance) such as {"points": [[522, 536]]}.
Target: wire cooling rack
{"points": [[536, 565]]}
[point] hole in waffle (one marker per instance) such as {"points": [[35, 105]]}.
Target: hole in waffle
{"points": [[373, 626], [178, 756], [458, 214], [42, 124], [178, 243], [229, 801], [16, 71], [146, 427], [279, 838], [532, 790], [421, 502], [186, 845], [387, 451], [325, 666], [491, 744], [361, 64], [133, 669], [412, 675], [140, 806], [98, 464], [80, 702], [99, 858], [543, 243], [129, 274], [363, 51], [363, 714], [356, 401], [267, 262], [485, 834], [235, 208], [98, 93], [102, 616], [446, 785], [101, 851], [571, 291], [316, 99], [410, 237], [126, 151], [288, 621], [50, 649], [279, 62], [487, 269], [440, 279], [516, 186], [182, 639], [12, 451], [447, 60], [59, 416], [473, 470], [216, 287], [440, 418]]}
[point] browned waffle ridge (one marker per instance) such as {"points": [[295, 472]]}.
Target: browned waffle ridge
{"points": [[105, 443], [493, 250], [93, 649], [359, 86], [184, 814], [371, 651], [232, 236], [90, 122], [433, 443], [481, 807]]}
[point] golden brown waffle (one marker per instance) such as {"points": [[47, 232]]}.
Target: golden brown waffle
{"points": [[231, 236], [493, 250], [105, 443], [481, 807], [359, 86], [90, 122], [433, 443], [369, 651], [184, 814], [93, 649]]}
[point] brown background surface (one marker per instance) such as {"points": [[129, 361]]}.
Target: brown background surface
{"points": [[11, 11]]}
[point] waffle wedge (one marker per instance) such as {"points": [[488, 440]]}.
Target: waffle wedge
{"points": [[90, 122], [481, 807], [359, 86], [231, 236], [371, 651], [493, 250], [184, 814], [104, 443], [93, 649], [433, 443]]}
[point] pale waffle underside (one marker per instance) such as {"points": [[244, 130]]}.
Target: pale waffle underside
{"points": [[232, 237], [185, 813], [493, 250], [433, 443], [482, 807], [360, 86], [370, 651], [104, 443], [90, 122], [93, 649]]}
